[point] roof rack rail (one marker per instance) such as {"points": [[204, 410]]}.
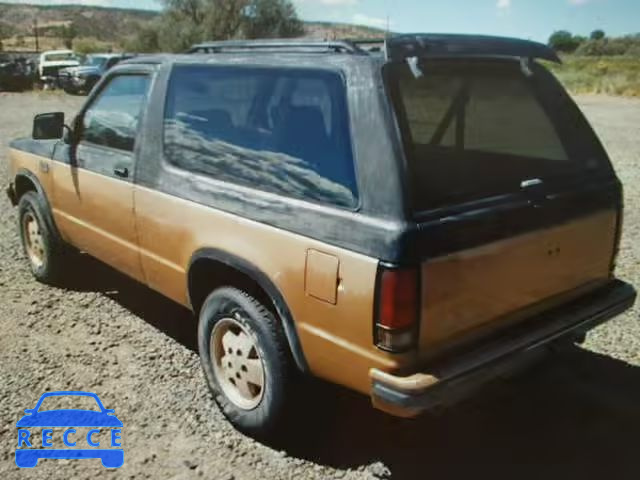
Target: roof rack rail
{"points": [[277, 45], [395, 47]]}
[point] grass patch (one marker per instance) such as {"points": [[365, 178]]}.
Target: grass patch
{"points": [[604, 75]]}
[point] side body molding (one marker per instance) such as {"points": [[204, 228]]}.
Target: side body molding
{"points": [[267, 285]]}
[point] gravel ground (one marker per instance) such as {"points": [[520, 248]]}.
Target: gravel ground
{"points": [[578, 416]]}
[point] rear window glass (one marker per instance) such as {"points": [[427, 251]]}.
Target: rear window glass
{"points": [[475, 130], [279, 130]]}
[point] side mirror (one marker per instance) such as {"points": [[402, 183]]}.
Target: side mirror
{"points": [[29, 411], [48, 126]]}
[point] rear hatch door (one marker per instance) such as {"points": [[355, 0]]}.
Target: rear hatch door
{"points": [[515, 200]]}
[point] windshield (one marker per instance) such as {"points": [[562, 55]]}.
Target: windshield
{"points": [[479, 129], [93, 61], [59, 57]]}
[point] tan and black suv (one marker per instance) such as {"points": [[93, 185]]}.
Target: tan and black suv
{"points": [[408, 221]]}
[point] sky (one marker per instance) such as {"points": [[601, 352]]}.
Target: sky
{"points": [[533, 19]]}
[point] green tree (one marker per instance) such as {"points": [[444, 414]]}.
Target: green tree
{"points": [[564, 41], [146, 40], [272, 18], [185, 22], [597, 35], [224, 19]]}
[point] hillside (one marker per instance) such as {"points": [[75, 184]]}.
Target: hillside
{"points": [[103, 24], [110, 27]]}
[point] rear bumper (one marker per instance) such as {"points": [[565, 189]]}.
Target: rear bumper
{"points": [[447, 381]]}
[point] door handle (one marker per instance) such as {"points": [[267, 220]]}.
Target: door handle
{"points": [[121, 172]]}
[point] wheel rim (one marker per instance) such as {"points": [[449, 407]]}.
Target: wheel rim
{"points": [[237, 363], [34, 243]]}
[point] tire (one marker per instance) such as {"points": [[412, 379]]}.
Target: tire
{"points": [[40, 243], [231, 314]]}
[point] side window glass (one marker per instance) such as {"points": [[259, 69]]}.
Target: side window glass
{"points": [[280, 130], [112, 119]]}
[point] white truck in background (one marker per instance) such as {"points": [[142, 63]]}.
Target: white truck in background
{"points": [[52, 61]]}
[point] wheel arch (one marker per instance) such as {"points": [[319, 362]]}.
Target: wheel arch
{"points": [[218, 267], [25, 181]]}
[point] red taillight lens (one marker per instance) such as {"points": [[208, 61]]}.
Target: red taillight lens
{"points": [[398, 298], [398, 303]]}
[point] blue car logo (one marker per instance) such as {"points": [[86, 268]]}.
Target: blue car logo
{"points": [[68, 420]]}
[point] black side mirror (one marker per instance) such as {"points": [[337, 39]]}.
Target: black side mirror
{"points": [[48, 126]]}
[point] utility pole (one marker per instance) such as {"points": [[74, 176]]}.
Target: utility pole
{"points": [[35, 32]]}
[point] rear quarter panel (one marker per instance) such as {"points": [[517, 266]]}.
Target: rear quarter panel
{"points": [[336, 338]]}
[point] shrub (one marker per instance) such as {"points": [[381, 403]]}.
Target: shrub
{"points": [[627, 45], [87, 45], [605, 75]]}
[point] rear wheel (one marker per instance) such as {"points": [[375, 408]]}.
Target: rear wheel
{"points": [[43, 248], [245, 359]]}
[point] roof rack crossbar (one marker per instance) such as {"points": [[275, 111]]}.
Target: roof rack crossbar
{"points": [[334, 46]]}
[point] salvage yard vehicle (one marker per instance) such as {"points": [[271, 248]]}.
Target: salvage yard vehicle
{"points": [[52, 61], [15, 73], [409, 223], [82, 78]]}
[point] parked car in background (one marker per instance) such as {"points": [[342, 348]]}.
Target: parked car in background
{"points": [[52, 61], [16, 73], [82, 78]]}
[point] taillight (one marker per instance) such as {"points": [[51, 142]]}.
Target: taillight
{"points": [[397, 309]]}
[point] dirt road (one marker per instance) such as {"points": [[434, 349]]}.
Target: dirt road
{"points": [[577, 417]]}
